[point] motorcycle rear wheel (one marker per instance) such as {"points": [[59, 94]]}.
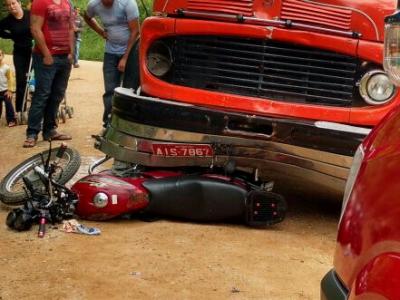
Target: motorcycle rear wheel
{"points": [[12, 186]]}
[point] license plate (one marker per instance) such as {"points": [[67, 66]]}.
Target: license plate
{"points": [[188, 150]]}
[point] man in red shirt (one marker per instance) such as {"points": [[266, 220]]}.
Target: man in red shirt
{"points": [[52, 29]]}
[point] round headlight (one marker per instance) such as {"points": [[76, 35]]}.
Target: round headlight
{"points": [[100, 200], [376, 87], [159, 59]]}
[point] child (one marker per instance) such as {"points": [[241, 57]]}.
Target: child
{"points": [[6, 91]]}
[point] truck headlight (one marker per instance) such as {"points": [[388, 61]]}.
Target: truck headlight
{"points": [[376, 87], [351, 179], [391, 53], [159, 59]]}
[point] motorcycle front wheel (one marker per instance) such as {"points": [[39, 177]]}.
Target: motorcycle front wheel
{"points": [[12, 190]]}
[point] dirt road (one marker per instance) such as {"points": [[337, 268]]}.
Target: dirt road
{"points": [[164, 259]]}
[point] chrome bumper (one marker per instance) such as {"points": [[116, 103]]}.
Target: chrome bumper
{"points": [[276, 154]]}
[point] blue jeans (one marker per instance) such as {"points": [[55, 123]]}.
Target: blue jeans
{"points": [[112, 80], [50, 85], [10, 114], [77, 47]]}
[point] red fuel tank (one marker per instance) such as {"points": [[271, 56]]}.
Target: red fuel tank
{"points": [[104, 196]]}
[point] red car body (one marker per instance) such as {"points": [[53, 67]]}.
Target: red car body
{"points": [[275, 86], [367, 256]]}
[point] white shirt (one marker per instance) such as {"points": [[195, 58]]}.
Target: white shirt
{"points": [[4, 68]]}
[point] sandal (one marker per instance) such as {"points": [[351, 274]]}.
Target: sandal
{"points": [[58, 137], [30, 142], [12, 124]]}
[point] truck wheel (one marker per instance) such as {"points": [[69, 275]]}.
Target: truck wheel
{"points": [[12, 186], [131, 78]]}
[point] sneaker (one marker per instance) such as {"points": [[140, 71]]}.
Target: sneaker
{"points": [[76, 65]]}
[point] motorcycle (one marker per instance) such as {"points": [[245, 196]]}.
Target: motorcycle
{"points": [[200, 195], [44, 200]]}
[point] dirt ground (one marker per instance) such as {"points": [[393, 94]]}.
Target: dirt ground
{"points": [[164, 259]]}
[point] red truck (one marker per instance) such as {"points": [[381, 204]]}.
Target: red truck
{"points": [[284, 90]]}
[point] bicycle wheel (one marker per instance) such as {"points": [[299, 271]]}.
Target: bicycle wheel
{"points": [[12, 186]]}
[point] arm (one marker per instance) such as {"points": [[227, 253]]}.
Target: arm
{"points": [[71, 38], [10, 81], [134, 28], [4, 32], [37, 33], [80, 26], [95, 26]]}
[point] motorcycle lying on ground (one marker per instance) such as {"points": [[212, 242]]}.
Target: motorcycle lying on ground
{"points": [[200, 195], [37, 185]]}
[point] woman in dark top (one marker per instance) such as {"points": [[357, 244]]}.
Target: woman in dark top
{"points": [[16, 26]]}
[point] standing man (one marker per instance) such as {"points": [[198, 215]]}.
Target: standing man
{"points": [[53, 30], [120, 20]]}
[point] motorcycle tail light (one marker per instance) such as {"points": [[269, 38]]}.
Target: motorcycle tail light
{"points": [[391, 61]]}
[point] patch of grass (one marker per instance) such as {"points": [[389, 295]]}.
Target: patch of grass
{"points": [[92, 46]]}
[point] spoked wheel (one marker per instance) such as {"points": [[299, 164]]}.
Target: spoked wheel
{"points": [[12, 186]]}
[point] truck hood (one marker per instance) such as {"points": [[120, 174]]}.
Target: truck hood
{"points": [[363, 17]]}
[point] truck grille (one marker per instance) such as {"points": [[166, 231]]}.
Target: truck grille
{"points": [[263, 69], [315, 13], [241, 7]]}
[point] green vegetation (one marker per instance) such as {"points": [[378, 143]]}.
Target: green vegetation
{"points": [[92, 45]]}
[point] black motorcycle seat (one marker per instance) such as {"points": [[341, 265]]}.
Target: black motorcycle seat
{"points": [[196, 197]]}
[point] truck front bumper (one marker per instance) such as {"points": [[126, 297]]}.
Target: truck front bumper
{"points": [[296, 154]]}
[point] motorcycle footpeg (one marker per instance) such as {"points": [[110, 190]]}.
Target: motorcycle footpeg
{"points": [[264, 208]]}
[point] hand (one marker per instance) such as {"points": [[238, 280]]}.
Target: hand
{"points": [[122, 64], [71, 58], [104, 35], [48, 60], [8, 95]]}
